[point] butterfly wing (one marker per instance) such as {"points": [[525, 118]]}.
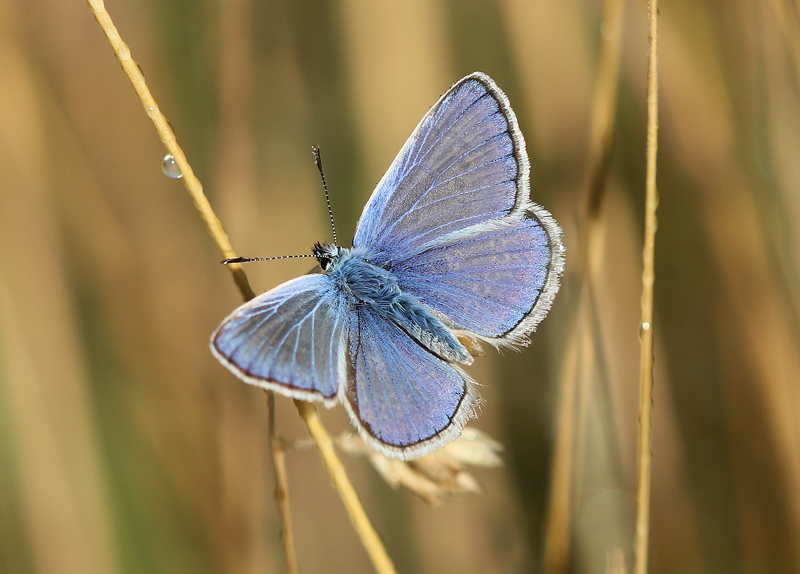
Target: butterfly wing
{"points": [[496, 280], [404, 400], [291, 339], [453, 221], [464, 164]]}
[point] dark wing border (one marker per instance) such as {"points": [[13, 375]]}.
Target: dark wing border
{"points": [[465, 411], [276, 386], [523, 207]]}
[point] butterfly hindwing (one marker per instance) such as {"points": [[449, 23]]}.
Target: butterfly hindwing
{"points": [[404, 400], [291, 339], [496, 280]]}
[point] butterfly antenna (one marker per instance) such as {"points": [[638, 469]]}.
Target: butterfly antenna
{"points": [[318, 162], [250, 259]]}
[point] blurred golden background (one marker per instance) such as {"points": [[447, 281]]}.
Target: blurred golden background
{"points": [[125, 447]]}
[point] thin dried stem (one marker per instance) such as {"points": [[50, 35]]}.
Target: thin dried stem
{"points": [[369, 537], [648, 280], [190, 181], [787, 15], [605, 105], [282, 490], [558, 526], [372, 542]]}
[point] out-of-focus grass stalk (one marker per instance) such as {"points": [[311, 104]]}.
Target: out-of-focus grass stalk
{"points": [[790, 26], [648, 280], [587, 369], [369, 537], [615, 561], [558, 524], [282, 490]]}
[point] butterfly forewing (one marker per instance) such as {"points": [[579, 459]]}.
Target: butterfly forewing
{"points": [[461, 166], [291, 339]]}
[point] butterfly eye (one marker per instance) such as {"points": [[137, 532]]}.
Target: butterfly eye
{"points": [[324, 255]]}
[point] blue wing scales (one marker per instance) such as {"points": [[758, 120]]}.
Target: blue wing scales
{"points": [[404, 400], [291, 339], [453, 222], [452, 218], [461, 166], [496, 280]]}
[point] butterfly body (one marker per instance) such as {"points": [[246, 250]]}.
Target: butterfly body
{"points": [[375, 287], [449, 248]]}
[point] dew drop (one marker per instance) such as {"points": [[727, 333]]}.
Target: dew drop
{"points": [[645, 326], [151, 108], [394, 477], [562, 247], [469, 435], [170, 168]]}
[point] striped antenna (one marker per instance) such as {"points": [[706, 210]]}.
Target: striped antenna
{"points": [[318, 162], [250, 259]]}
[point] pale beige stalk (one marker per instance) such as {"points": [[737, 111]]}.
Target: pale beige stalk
{"points": [[282, 490], [790, 27], [367, 533], [558, 521], [190, 181], [648, 280], [362, 524]]}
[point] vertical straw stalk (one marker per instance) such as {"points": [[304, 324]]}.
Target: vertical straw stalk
{"points": [[282, 490], [789, 21], [578, 348], [165, 133], [648, 280], [557, 526], [369, 537], [341, 482]]}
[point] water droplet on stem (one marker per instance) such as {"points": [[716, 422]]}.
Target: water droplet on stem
{"points": [[170, 168]]}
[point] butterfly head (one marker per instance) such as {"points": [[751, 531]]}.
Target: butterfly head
{"points": [[326, 254]]}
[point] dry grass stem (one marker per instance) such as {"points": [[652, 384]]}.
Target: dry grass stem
{"points": [[282, 489], [558, 526], [190, 181], [372, 542], [604, 107], [787, 16], [361, 522], [646, 328], [615, 562]]}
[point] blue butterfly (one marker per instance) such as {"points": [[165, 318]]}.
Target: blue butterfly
{"points": [[449, 251]]}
